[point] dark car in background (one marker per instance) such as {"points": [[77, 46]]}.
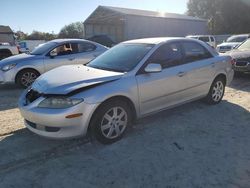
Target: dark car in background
{"points": [[102, 39], [242, 57]]}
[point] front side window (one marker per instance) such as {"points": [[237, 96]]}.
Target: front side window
{"points": [[168, 55], [122, 57], [195, 52], [66, 49]]}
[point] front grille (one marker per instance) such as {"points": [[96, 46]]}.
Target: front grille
{"points": [[32, 95], [33, 125], [225, 48], [241, 63], [41, 127]]}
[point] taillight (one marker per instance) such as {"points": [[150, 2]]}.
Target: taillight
{"points": [[233, 62]]}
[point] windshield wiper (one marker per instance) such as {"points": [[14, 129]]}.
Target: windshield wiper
{"points": [[107, 69]]}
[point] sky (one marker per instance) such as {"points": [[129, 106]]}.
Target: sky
{"points": [[52, 15]]}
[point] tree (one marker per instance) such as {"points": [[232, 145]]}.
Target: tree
{"points": [[37, 35], [21, 35], [73, 30], [224, 16]]}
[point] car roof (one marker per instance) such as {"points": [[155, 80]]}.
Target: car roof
{"points": [[159, 40], [199, 36], [67, 40], [242, 35], [156, 40]]}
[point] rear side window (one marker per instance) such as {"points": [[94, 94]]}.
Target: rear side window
{"points": [[86, 47], [195, 52], [168, 55], [204, 39], [212, 39]]}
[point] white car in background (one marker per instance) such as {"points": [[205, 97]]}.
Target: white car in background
{"points": [[209, 39], [23, 69], [232, 42], [7, 50]]}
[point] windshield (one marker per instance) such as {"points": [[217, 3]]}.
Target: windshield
{"points": [[43, 48], [236, 39], [245, 45], [121, 58]]}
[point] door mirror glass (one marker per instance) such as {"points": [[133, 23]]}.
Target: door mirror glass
{"points": [[53, 53], [152, 67]]}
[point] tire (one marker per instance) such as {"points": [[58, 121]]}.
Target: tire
{"points": [[216, 91], [5, 54], [26, 77], [108, 127]]}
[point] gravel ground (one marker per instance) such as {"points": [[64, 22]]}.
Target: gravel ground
{"points": [[194, 146]]}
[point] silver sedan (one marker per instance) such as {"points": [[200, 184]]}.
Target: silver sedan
{"points": [[23, 69], [129, 81]]}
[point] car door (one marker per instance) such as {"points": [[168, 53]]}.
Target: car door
{"points": [[166, 88], [86, 52], [201, 64], [64, 54]]}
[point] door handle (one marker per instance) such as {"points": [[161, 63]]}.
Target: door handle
{"points": [[181, 74], [71, 59]]}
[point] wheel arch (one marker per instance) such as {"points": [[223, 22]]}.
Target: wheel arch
{"points": [[23, 69], [223, 76], [117, 97]]}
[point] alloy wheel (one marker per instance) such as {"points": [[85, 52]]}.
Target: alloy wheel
{"points": [[114, 122], [218, 91], [28, 78]]}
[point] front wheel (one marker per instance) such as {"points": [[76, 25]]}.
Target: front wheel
{"points": [[26, 77], [216, 91], [110, 121]]}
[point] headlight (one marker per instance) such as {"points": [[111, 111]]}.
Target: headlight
{"points": [[59, 102], [8, 67]]}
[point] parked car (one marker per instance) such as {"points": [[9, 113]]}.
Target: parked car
{"points": [[242, 57], [7, 50], [131, 80], [27, 46], [232, 42], [23, 69], [102, 39], [209, 39]]}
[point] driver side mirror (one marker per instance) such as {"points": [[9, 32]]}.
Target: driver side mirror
{"points": [[153, 68], [53, 54]]}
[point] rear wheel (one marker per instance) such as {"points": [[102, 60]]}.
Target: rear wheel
{"points": [[216, 91], [26, 77], [110, 121]]}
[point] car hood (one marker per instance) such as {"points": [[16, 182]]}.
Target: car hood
{"points": [[239, 54], [66, 79], [231, 44], [16, 59]]}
